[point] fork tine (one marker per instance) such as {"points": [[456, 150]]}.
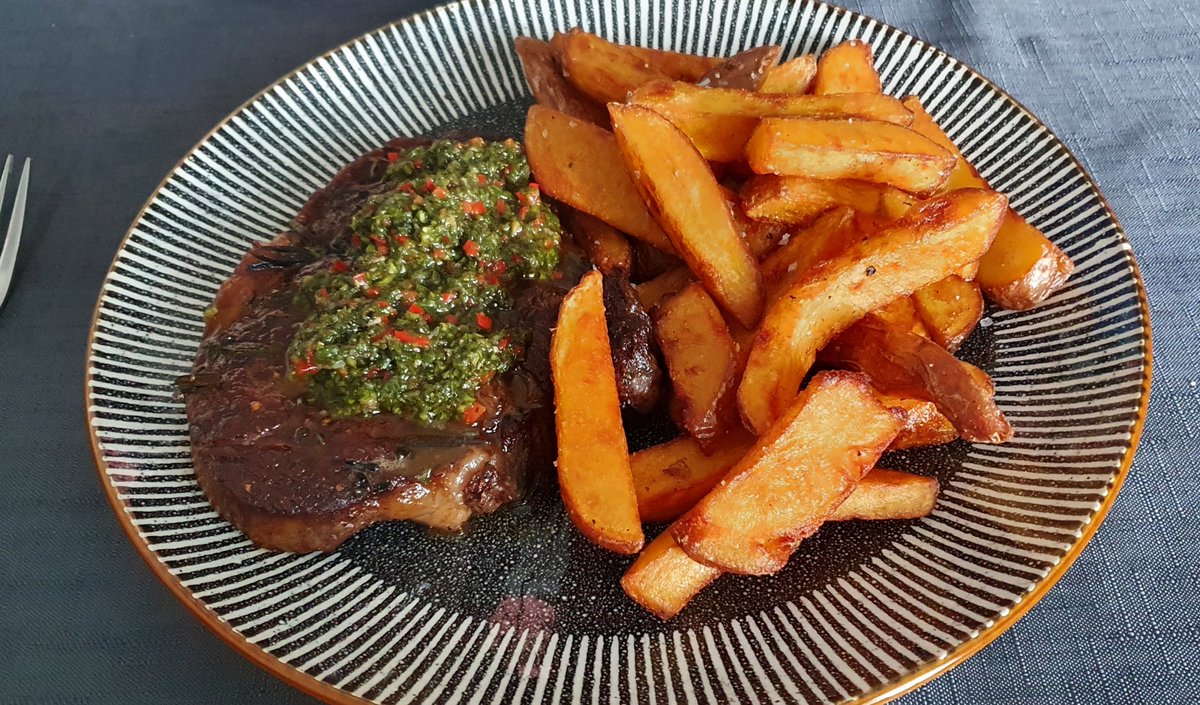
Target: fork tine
{"points": [[8, 256], [4, 178]]}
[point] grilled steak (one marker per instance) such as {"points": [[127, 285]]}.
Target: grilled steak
{"points": [[292, 477]]}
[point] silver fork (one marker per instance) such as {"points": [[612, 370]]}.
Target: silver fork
{"points": [[8, 256]]}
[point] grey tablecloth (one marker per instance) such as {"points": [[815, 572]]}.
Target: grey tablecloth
{"points": [[107, 95]]}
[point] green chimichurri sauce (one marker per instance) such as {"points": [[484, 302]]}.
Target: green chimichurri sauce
{"points": [[405, 323]]}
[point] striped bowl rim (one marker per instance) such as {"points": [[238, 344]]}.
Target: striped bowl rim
{"points": [[850, 23]]}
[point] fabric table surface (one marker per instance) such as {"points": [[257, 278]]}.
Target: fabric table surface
{"points": [[107, 95]]}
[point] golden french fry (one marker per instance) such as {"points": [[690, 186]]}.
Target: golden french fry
{"points": [[802, 468], [579, 164], [543, 73], [902, 314], [664, 579], [799, 200], [1023, 267], [745, 70], [794, 76], [889, 494], [924, 425], [848, 67], [671, 477], [878, 152], [720, 121], [678, 186], [950, 308], [649, 293], [594, 475], [675, 65], [701, 359], [931, 242], [605, 246], [900, 362], [603, 71], [824, 238]]}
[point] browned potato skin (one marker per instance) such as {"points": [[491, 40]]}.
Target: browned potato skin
{"points": [[824, 238], [579, 164], [802, 468], [900, 362], [543, 73], [603, 71], [950, 308], [902, 314], [671, 477], [798, 200], [1023, 267], [650, 262], [664, 579], [794, 76], [594, 475], [745, 70], [701, 359], [679, 188], [658, 288], [879, 152], [889, 494], [931, 242], [605, 246], [848, 67], [924, 425], [720, 121]]}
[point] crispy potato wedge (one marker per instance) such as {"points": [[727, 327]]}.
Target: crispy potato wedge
{"points": [[924, 425], [664, 579], [579, 164], [701, 360], [720, 121], [675, 65], [889, 494], [794, 76], [950, 308], [655, 290], [745, 70], [930, 243], [594, 476], [671, 477], [799, 200], [902, 314], [603, 71], [826, 237], [550, 87], [802, 468], [848, 67], [678, 186], [760, 236], [605, 246], [1023, 267], [879, 152], [900, 362]]}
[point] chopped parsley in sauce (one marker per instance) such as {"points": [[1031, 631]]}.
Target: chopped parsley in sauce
{"points": [[405, 323]]}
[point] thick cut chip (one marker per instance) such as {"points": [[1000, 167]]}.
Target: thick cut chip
{"points": [[794, 76], [889, 494], [1023, 267], [671, 477], [594, 476], [878, 152], [930, 243], [826, 237], [848, 67], [950, 308], [579, 164], [603, 71], [899, 362], [799, 200], [702, 362], [924, 425], [679, 188], [902, 314], [605, 246], [676, 65], [649, 293], [720, 121], [543, 73], [802, 468], [745, 70]]}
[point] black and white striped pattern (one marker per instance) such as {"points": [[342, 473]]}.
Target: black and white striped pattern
{"points": [[861, 611]]}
